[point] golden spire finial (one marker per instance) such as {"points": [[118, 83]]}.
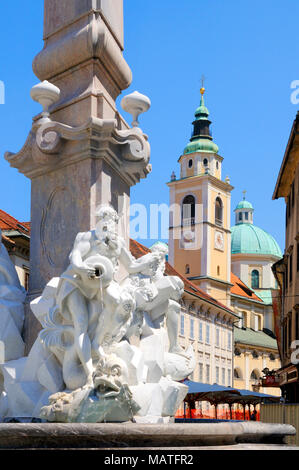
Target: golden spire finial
{"points": [[202, 90]]}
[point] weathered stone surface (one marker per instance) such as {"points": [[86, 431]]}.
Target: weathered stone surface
{"points": [[192, 436], [58, 14], [82, 55]]}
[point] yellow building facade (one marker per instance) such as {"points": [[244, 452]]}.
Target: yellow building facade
{"points": [[287, 269], [255, 346]]}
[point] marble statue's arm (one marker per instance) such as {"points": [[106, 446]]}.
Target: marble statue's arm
{"points": [[81, 248], [134, 265]]}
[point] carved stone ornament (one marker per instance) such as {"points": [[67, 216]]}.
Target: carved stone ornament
{"points": [[51, 145]]}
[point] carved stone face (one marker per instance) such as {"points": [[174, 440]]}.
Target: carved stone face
{"points": [[107, 222], [105, 226]]}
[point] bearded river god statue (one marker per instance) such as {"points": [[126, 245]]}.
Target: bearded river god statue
{"points": [[107, 351]]}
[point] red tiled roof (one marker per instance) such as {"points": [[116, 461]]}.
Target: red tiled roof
{"points": [[240, 288], [7, 222], [138, 250]]}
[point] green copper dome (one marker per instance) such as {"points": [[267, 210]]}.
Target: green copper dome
{"points": [[202, 111], [201, 140], [201, 145], [247, 238], [244, 205]]}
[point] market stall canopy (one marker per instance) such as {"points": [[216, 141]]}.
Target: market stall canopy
{"points": [[248, 396], [216, 394], [212, 393]]}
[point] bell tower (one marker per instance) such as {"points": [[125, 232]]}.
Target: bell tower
{"points": [[199, 233]]}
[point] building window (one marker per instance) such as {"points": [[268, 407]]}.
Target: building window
{"points": [[223, 376], [243, 321], [293, 194], [256, 322], [190, 163], [291, 268], [187, 270], [288, 210], [191, 328], [217, 165], [229, 377], [240, 216], [285, 336], [208, 334], [218, 211], [200, 332], [188, 211], [182, 325], [205, 162], [207, 373], [217, 375], [289, 329], [217, 337], [255, 279], [237, 352], [200, 372], [254, 375], [26, 280], [271, 357], [246, 215], [229, 341], [218, 270]]}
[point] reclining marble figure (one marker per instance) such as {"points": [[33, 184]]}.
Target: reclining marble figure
{"points": [[84, 365]]}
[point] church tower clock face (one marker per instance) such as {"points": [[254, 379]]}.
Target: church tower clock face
{"points": [[219, 240]]}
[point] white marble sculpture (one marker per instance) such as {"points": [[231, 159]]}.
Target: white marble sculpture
{"points": [[12, 296], [107, 351]]}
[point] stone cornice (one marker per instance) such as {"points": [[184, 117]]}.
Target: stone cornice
{"points": [[247, 299], [209, 278], [52, 145], [253, 256], [218, 227], [251, 347], [209, 178], [219, 308]]}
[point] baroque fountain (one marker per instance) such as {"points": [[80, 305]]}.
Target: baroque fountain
{"points": [[89, 356]]}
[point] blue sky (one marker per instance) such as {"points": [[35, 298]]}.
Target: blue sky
{"points": [[247, 50]]}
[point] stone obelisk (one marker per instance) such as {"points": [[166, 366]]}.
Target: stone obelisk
{"points": [[79, 153]]}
